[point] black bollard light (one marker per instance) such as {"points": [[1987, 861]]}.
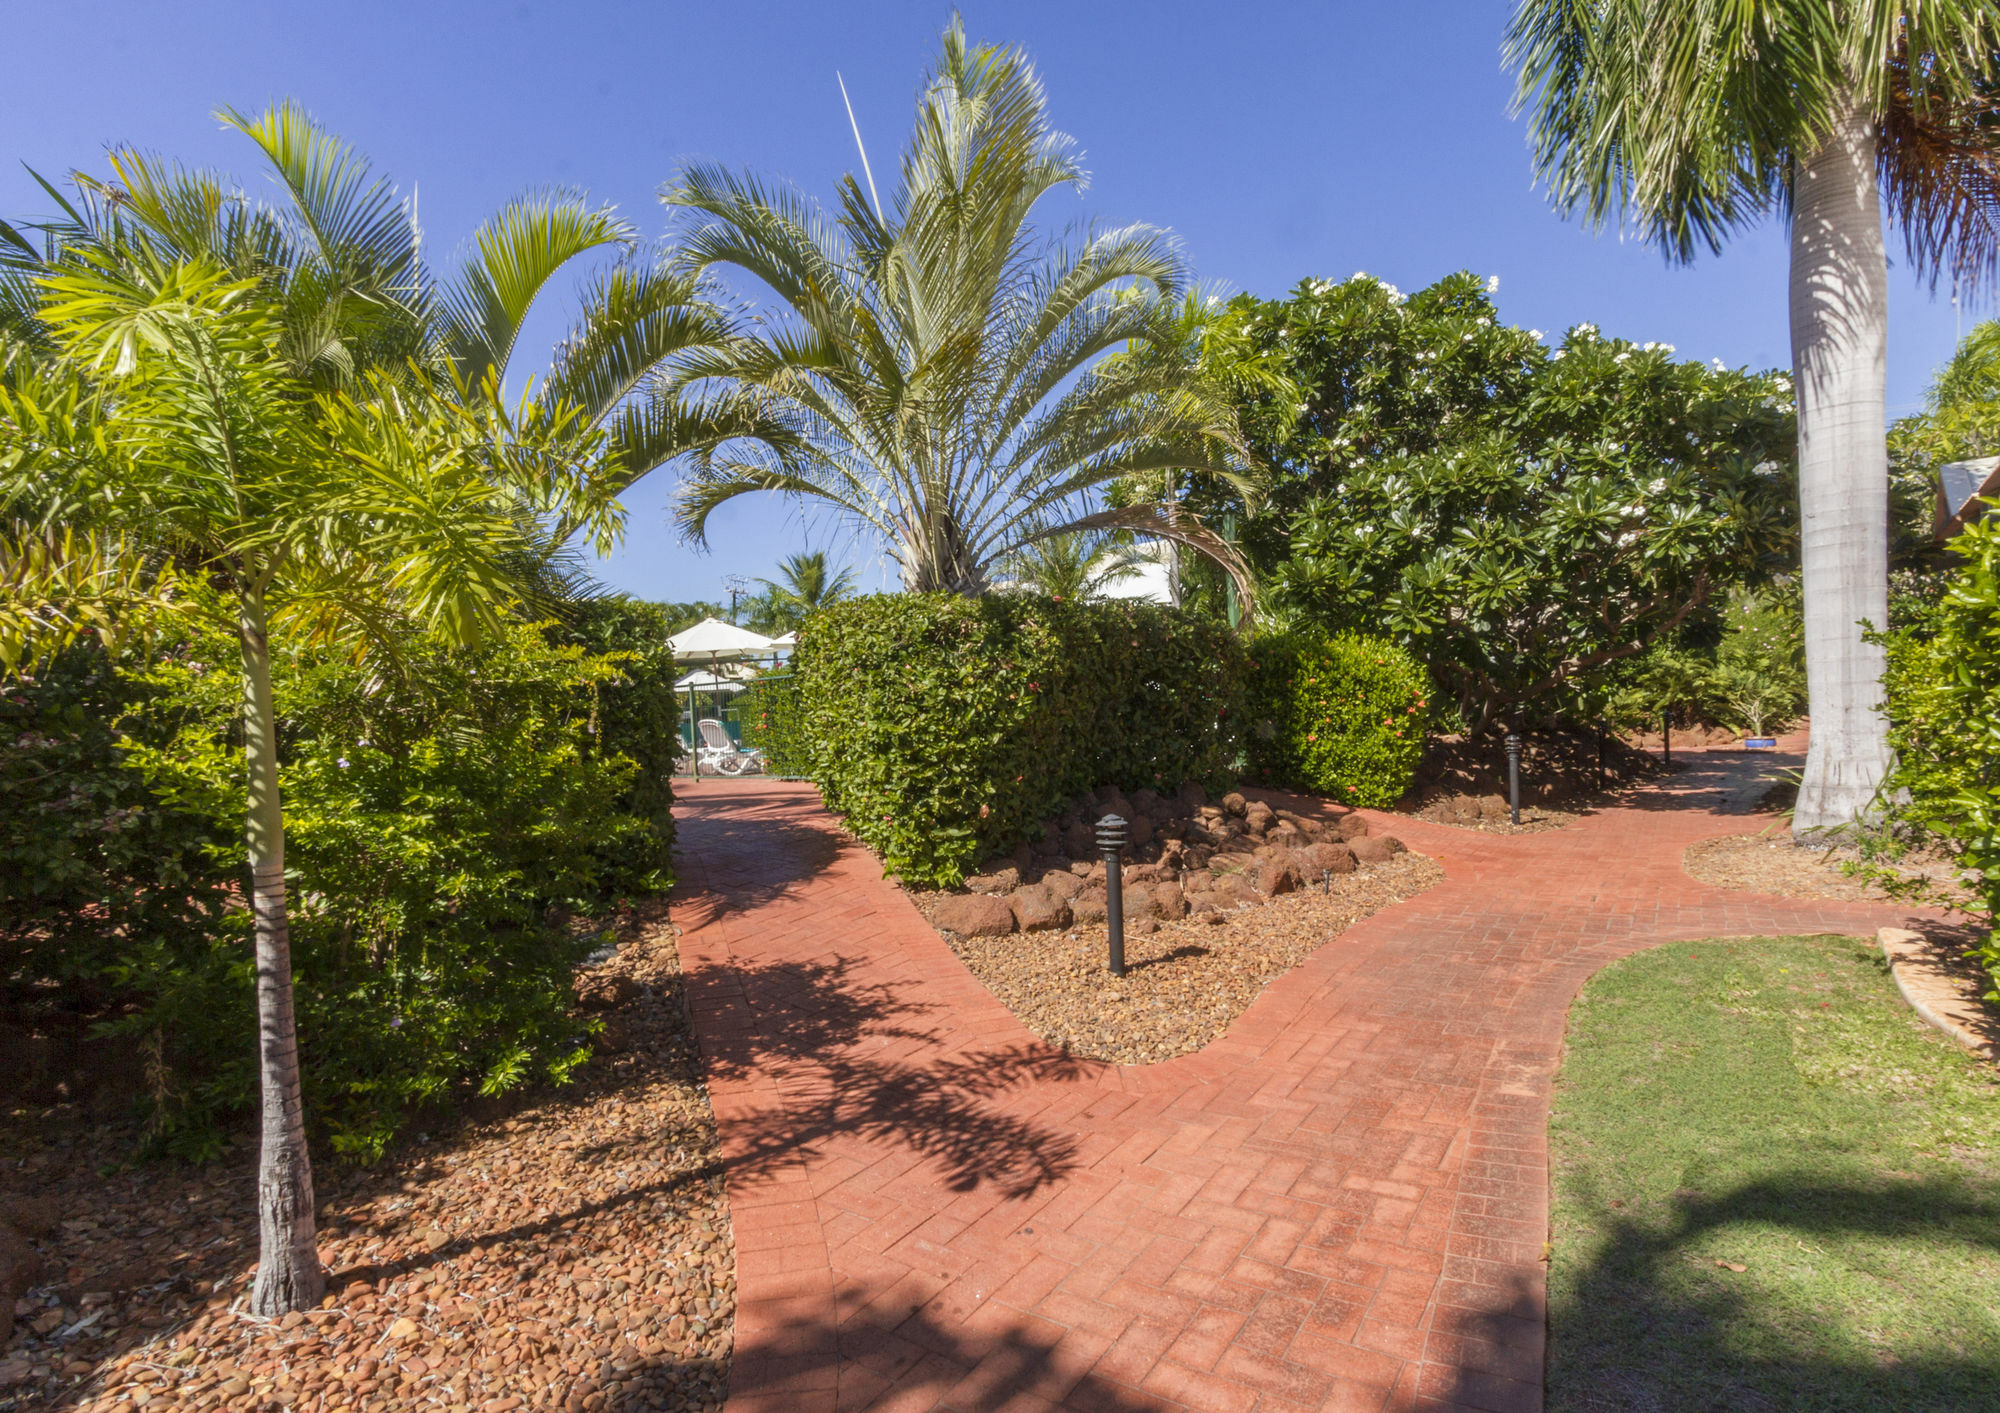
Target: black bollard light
{"points": [[1513, 778], [1666, 735], [1600, 759], [1111, 843]]}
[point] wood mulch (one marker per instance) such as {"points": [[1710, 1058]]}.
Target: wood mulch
{"points": [[1771, 862], [576, 1254], [1184, 983]]}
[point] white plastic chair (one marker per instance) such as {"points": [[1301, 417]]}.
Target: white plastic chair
{"points": [[722, 755]]}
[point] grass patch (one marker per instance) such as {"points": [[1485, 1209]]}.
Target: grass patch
{"points": [[1770, 1104]]}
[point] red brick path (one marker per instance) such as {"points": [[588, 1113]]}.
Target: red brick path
{"points": [[1341, 1204]]}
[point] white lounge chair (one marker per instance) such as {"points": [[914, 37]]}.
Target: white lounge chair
{"points": [[722, 755]]}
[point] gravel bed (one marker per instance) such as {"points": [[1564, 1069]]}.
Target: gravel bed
{"points": [[574, 1255], [1184, 982]]}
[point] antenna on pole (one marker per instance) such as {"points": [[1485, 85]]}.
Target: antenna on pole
{"points": [[865, 169]]}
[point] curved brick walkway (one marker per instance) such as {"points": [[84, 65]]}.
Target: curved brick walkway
{"points": [[1341, 1204]]}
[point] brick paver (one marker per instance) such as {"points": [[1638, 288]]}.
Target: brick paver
{"points": [[1341, 1204]]}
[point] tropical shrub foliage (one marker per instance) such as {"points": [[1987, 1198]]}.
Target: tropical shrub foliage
{"points": [[1518, 516], [1343, 716], [447, 814], [1943, 704], [946, 729]]}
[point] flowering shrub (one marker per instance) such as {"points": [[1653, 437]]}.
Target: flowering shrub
{"points": [[1343, 716], [1515, 514], [946, 729]]}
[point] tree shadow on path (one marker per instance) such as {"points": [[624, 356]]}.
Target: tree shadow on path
{"points": [[838, 1057]]}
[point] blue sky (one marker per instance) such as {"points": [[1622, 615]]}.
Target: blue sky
{"points": [[1278, 140]]}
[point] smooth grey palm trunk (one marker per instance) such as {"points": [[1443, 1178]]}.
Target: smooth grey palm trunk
{"points": [[289, 1276], [1839, 317]]}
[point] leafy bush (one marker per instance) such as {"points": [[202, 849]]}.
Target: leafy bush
{"points": [[1516, 514], [773, 723], [447, 814], [946, 729], [1343, 716], [1942, 693], [89, 857]]}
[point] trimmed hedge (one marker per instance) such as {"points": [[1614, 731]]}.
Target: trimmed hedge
{"points": [[1342, 716], [769, 712], [947, 729]]}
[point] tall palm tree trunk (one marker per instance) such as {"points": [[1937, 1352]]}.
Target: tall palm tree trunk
{"points": [[289, 1276], [1840, 318]]}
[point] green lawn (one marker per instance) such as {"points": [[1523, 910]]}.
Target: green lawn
{"points": [[1772, 1104]]}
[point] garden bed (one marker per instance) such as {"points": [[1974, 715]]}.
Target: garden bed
{"points": [[576, 1254], [1185, 981], [1770, 862]]}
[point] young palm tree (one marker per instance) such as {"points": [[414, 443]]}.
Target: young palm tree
{"points": [[809, 584], [1698, 117], [165, 437], [339, 260], [943, 361], [1077, 564]]}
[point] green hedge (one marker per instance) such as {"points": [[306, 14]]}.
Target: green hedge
{"points": [[445, 816], [947, 729], [1342, 716], [768, 711]]}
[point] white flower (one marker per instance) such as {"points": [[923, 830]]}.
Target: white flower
{"points": [[1621, 358], [1535, 334], [1483, 323], [343, 762], [1558, 353], [1586, 331], [1628, 537], [1492, 284], [1720, 366], [1656, 485], [1359, 275]]}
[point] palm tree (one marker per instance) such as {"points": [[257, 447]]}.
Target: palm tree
{"points": [[165, 442], [340, 262], [1698, 117], [809, 585], [1077, 564], [943, 361]]}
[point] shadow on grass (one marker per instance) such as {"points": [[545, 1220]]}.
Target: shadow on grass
{"points": [[828, 1048], [1650, 1324]]}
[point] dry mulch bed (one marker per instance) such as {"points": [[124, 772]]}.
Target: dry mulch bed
{"points": [[1464, 812], [1770, 862], [575, 1255], [1184, 982]]}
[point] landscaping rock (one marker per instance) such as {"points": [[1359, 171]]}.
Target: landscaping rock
{"points": [[1191, 797], [1036, 909], [1351, 827], [1492, 807], [1233, 803], [31, 1216], [1168, 901], [1139, 831], [598, 990], [1258, 819], [1277, 877], [1088, 906], [20, 1267], [1001, 880], [1063, 884], [975, 915], [1328, 858], [1080, 841], [1379, 849]]}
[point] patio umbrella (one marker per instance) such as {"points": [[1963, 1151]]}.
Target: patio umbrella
{"points": [[718, 642]]}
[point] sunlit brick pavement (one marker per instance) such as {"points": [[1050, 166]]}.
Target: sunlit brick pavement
{"points": [[1342, 1204]]}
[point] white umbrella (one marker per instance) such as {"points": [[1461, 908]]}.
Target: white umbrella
{"points": [[709, 682], [785, 640], [716, 641]]}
